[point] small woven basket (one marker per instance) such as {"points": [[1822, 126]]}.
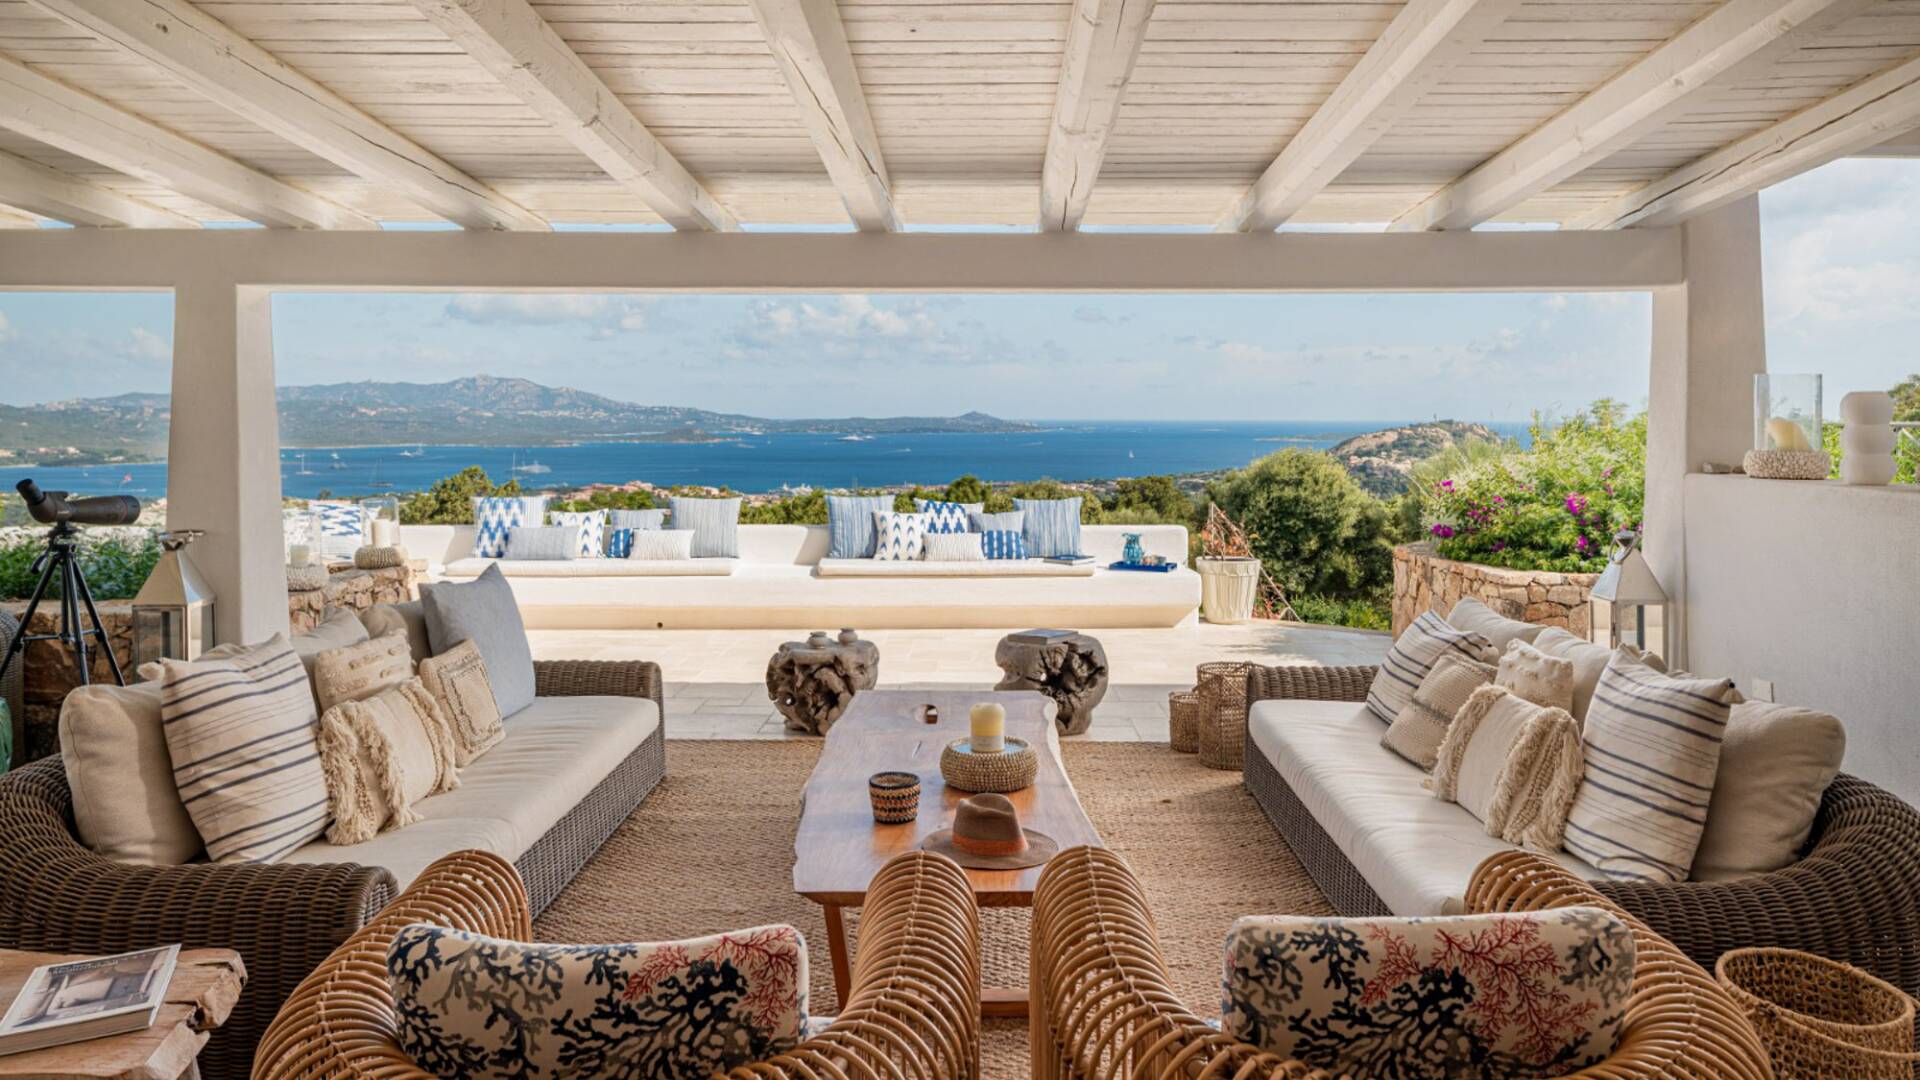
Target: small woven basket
{"points": [[1820, 1018], [1222, 688], [1183, 713], [1010, 770]]}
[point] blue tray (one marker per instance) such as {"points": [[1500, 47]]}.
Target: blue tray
{"points": [[1144, 568]]}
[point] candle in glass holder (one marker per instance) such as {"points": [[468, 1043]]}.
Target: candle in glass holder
{"points": [[988, 728], [385, 533], [299, 555]]}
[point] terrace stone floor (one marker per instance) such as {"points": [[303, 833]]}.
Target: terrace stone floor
{"points": [[716, 685]]}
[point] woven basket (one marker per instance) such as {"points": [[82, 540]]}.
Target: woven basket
{"points": [[1223, 713], [1010, 770], [1183, 712], [1820, 1018]]}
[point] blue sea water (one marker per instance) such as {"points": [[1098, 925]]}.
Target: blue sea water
{"points": [[1077, 450]]}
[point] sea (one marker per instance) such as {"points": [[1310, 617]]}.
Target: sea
{"points": [[1076, 450]]}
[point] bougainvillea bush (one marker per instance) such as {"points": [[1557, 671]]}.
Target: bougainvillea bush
{"points": [[1555, 506]]}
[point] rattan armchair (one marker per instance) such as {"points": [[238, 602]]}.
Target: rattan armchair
{"points": [[57, 895], [1104, 1007], [913, 1013], [1853, 896]]}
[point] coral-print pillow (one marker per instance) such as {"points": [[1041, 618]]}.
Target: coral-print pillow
{"points": [[474, 1006], [1495, 997]]}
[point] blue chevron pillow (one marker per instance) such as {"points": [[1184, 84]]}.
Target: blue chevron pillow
{"points": [[947, 517], [591, 528], [899, 537], [495, 516]]}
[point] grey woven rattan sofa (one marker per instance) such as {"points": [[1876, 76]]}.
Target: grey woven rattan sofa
{"points": [[1853, 896], [284, 919]]}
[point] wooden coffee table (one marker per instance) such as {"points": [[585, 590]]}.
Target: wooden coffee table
{"points": [[206, 983], [838, 848]]}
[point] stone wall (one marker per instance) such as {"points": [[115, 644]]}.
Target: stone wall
{"points": [[50, 670], [1423, 581]]}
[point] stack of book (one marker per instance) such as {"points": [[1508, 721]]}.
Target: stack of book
{"points": [[88, 999]]}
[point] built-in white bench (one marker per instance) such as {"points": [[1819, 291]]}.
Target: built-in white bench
{"points": [[782, 578]]}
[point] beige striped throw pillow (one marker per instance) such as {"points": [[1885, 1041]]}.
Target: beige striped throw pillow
{"points": [[1413, 655], [241, 733]]}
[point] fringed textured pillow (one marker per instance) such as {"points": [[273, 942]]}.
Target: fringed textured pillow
{"points": [[1413, 655], [1535, 675], [1513, 764], [1494, 997], [457, 681], [472, 1006], [381, 756], [360, 671]]}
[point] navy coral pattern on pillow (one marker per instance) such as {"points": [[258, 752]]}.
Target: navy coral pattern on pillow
{"points": [[1493, 997], [473, 1006]]}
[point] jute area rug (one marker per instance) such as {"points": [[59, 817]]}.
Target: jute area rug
{"points": [[712, 850]]}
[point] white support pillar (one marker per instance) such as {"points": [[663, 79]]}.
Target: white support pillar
{"points": [[223, 452], [1709, 340]]}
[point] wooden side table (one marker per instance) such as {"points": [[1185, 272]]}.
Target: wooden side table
{"points": [[206, 983], [1067, 666], [812, 684]]}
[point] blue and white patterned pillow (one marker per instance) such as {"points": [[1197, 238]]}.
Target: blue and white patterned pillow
{"points": [[342, 528], [620, 542], [947, 517], [495, 515], [715, 524], [850, 524], [591, 528], [899, 537], [981, 521], [467, 1005], [1051, 527], [1003, 544]]}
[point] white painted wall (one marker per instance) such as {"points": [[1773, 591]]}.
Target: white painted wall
{"points": [[1815, 586]]}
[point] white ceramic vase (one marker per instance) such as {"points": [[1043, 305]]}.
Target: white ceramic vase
{"points": [[1866, 442]]}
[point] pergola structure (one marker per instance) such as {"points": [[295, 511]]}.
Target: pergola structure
{"points": [[1641, 129]]}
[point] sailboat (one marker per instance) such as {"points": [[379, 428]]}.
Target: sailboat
{"points": [[531, 468], [376, 482], [337, 463], [303, 470], [417, 451]]}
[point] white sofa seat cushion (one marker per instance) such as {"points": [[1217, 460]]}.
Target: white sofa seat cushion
{"points": [[555, 752], [980, 568], [1417, 852], [593, 568]]}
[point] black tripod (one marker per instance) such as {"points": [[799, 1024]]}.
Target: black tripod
{"points": [[59, 559]]}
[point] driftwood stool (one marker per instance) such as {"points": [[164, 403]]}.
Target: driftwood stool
{"points": [[1066, 665], [813, 683]]}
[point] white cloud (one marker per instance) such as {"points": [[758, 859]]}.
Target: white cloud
{"points": [[151, 346], [852, 327], [602, 315], [7, 332]]}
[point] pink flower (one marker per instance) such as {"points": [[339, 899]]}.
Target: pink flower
{"points": [[1444, 532]]}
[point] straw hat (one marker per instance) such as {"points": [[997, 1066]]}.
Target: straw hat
{"points": [[986, 835]]}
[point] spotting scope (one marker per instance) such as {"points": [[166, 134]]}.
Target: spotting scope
{"points": [[55, 508]]}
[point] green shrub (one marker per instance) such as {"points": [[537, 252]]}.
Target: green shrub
{"points": [[1906, 450], [607, 500], [1149, 500], [1312, 525], [450, 500], [807, 509], [1373, 612], [115, 565]]}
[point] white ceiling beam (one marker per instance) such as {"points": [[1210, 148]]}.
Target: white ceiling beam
{"points": [[54, 113], [35, 188], [231, 71], [1738, 40], [810, 44], [1857, 118], [1900, 146], [1103, 41], [9, 219], [1426, 39], [512, 41]]}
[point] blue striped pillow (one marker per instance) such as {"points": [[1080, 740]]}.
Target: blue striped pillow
{"points": [[715, 524], [947, 517], [850, 532], [620, 542], [1413, 655], [1003, 544], [1051, 526]]}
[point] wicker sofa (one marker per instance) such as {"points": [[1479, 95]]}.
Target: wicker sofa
{"points": [[1104, 1006], [1854, 895], [912, 1012], [284, 918]]}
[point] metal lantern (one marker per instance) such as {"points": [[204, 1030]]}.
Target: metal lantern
{"points": [[173, 613], [1629, 606]]}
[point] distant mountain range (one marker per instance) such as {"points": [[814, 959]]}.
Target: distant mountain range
{"points": [[480, 409], [1382, 460]]}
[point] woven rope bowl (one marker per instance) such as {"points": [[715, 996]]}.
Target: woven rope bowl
{"points": [[1183, 715], [1820, 1018], [895, 797], [1009, 770], [1222, 687]]}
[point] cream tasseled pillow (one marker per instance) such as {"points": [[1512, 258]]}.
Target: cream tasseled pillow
{"points": [[1514, 765], [1542, 679], [381, 756], [457, 679], [1416, 733], [358, 672]]}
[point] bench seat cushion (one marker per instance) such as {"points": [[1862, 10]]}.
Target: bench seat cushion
{"points": [[979, 568], [555, 752], [594, 568], [1414, 850]]}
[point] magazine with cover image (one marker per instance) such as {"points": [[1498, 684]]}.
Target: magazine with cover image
{"points": [[88, 999]]}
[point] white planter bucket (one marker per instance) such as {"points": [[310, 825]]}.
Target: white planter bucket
{"points": [[1228, 588]]}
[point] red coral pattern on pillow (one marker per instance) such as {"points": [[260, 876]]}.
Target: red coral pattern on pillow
{"points": [[1494, 997]]}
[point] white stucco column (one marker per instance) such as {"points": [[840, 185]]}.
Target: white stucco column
{"points": [[223, 453], [1709, 340]]}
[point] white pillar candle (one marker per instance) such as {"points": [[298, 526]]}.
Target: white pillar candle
{"points": [[299, 555], [988, 728], [385, 532]]}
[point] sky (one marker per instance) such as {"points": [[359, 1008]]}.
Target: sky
{"points": [[1842, 271]]}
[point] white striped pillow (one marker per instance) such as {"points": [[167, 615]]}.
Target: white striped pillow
{"points": [[1413, 655], [242, 736], [1652, 749]]}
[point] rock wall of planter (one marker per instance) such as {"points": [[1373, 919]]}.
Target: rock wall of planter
{"points": [[1423, 581], [50, 672]]}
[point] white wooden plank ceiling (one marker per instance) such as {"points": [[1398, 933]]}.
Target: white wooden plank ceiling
{"points": [[887, 114]]}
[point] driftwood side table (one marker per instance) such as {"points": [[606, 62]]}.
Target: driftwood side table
{"points": [[1066, 665], [812, 683], [206, 983]]}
